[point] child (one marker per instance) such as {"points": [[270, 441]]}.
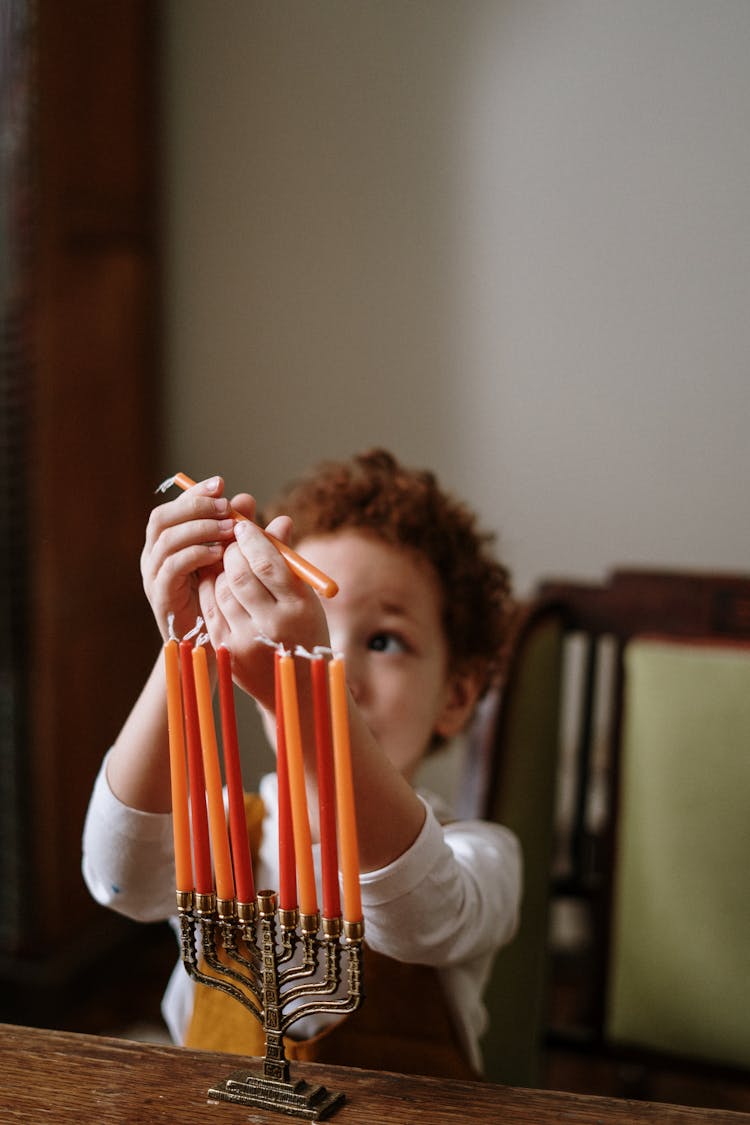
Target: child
{"points": [[420, 617]]}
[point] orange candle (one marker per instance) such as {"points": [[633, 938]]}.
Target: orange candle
{"points": [[178, 770], [217, 821], [301, 567], [308, 900], [287, 867], [326, 789], [241, 861], [347, 820], [204, 878]]}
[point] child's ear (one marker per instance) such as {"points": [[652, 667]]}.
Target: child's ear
{"points": [[461, 694]]}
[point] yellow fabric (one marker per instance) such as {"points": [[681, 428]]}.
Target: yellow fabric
{"points": [[220, 1023], [254, 813], [680, 978], [233, 1023]]}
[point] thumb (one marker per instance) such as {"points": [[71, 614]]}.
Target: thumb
{"points": [[281, 528], [244, 504]]}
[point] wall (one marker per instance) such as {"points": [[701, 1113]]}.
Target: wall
{"points": [[507, 238]]}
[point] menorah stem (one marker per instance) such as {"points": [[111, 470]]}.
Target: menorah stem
{"points": [[275, 1063]]}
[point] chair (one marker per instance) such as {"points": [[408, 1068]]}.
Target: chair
{"points": [[618, 750], [511, 770]]}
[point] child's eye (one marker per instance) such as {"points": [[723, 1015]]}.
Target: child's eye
{"points": [[386, 642]]}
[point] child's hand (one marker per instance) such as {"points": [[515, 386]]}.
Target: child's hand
{"points": [[257, 594], [185, 538]]}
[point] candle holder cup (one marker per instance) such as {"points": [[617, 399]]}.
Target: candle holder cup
{"points": [[281, 966]]}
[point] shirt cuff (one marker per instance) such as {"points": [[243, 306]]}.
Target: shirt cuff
{"points": [[400, 877]]}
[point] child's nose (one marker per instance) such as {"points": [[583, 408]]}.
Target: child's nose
{"points": [[356, 689]]}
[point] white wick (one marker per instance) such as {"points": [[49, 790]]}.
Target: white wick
{"points": [[195, 630], [165, 484]]}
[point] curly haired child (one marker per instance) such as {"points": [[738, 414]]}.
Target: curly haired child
{"points": [[421, 615]]}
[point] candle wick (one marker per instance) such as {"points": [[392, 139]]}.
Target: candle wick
{"points": [[322, 650], [202, 639], [195, 630], [165, 484], [170, 627], [266, 640]]}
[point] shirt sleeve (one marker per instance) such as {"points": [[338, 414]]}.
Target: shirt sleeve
{"points": [[452, 897], [128, 856]]}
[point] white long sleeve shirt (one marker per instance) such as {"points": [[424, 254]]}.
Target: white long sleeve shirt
{"points": [[450, 901]]}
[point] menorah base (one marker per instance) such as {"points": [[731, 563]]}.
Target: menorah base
{"points": [[297, 1099]]}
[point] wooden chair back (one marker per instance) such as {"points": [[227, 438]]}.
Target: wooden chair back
{"points": [[556, 754]]}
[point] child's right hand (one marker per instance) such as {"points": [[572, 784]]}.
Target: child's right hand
{"points": [[184, 538]]}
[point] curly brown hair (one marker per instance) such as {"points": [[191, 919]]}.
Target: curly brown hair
{"points": [[407, 507]]}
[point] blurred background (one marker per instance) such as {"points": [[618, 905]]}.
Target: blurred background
{"points": [[507, 239]]}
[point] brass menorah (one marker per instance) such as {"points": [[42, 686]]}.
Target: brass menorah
{"points": [[282, 963], [281, 966]]}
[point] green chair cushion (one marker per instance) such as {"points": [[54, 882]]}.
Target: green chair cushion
{"points": [[680, 954]]}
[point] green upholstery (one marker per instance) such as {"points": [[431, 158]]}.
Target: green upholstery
{"points": [[680, 956], [524, 799]]}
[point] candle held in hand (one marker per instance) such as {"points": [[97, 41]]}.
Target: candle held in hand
{"points": [[301, 567]]}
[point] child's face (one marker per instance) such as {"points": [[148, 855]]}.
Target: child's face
{"points": [[386, 621]]}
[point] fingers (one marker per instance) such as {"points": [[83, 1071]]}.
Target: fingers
{"points": [[202, 501], [256, 574], [244, 505], [281, 528], [183, 537], [203, 554], [211, 612], [254, 595], [257, 591]]}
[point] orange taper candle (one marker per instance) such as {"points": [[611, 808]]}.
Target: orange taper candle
{"points": [[204, 876], [326, 789], [287, 867], [347, 819], [308, 900], [217, 820], [301, 567], [178, 770], [241, 861]]}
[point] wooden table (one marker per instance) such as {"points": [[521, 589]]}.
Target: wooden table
{"points": [[51, 1077]]}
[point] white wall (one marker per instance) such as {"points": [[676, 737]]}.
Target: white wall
{"points": [[507, 238]]}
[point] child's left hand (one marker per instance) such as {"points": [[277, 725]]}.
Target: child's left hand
{"points": [[256, 593]]}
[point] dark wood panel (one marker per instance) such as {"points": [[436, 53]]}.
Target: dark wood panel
{"points": [[86, 455]]}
